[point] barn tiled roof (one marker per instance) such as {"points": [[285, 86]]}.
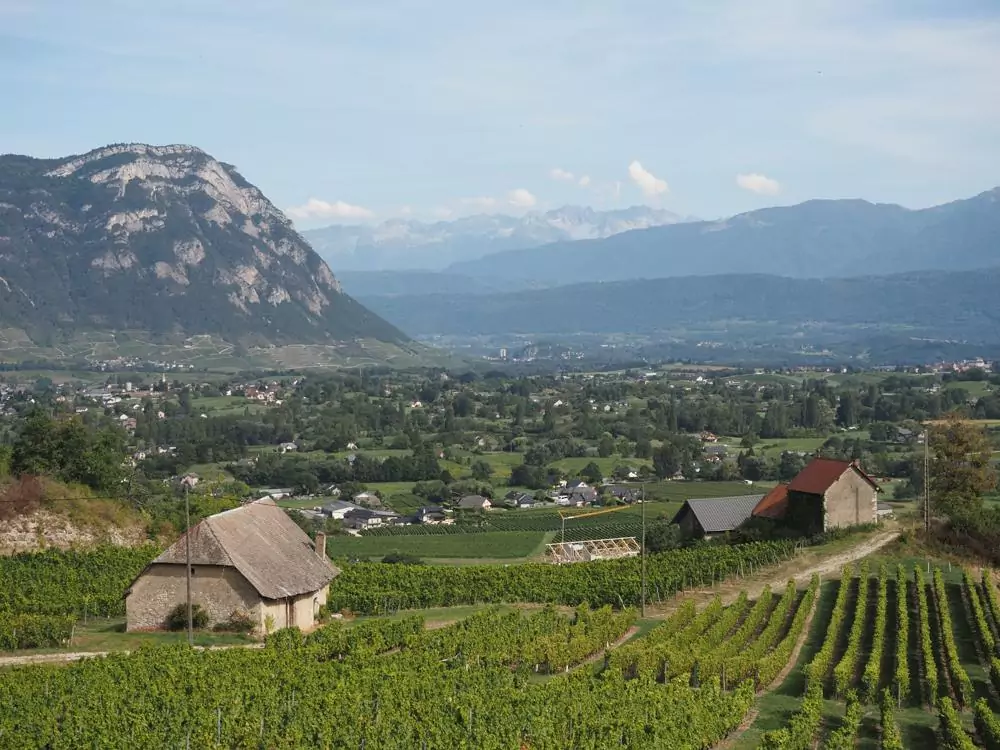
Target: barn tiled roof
{"points": [[262, 543], [773, 504], [719, 514], [820, 473]]}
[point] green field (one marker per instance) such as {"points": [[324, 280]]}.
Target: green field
{"points": [[493, 545]]}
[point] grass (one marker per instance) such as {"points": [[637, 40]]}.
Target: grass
{"points": [[108, 634], [498, 545]]}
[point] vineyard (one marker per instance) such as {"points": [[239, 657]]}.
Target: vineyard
{"points": [[888, 645], [495, 680], [377, 588], [42, 594], [894, 647]]}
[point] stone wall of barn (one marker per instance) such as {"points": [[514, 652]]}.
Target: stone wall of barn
{"points": [[219, 590], [850, 501]]}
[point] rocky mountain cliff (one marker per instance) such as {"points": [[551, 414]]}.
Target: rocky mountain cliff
{"points": [[408, 244], [163, 239]]}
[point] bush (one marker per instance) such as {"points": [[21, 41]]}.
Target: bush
{"points": [[402, 558], [177, 619], [240, 621]]}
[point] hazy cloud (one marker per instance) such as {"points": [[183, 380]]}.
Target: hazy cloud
{"points": [[442, 212], [649, 183], [406, 211], [584, 181], [758, 183], [480, 203], [521, 198], [561, 174], [314, 208]]}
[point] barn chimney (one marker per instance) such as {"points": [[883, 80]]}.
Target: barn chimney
{"points": [[320, 544]]}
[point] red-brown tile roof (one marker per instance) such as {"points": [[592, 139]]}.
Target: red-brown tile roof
{"points": [[820, 473], [773, 504]]}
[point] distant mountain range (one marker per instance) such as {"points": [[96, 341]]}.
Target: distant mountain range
{"points": [[816, 239], [163, 239], [403, 244], [955, 305]]}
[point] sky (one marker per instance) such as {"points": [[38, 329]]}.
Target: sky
{"points": [[363, 111]]}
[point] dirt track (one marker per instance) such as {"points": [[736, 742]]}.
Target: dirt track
{"points": [[800, 569]]}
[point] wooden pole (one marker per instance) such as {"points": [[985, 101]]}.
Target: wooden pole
{"points": [[187, 566], [642, 551]]}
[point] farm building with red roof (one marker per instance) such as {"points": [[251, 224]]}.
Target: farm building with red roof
{"points": [[826, 494]]}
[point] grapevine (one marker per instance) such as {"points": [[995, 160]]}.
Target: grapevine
{"points": [[926, 644], [891, 738], [960, 678], [844, 737], [817, 669], [987, 725], [951, 735], [843, 673], [901, 677], [872, 674]]}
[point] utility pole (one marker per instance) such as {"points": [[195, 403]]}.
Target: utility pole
{"points": [[187, 566], [927, 479], [642, 552]]}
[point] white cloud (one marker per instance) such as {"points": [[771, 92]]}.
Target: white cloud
{"points": [[758, 183], [521, 198], [443, 212], [584, 181], [649, 183], [406, 211], [314, 208], [561, 174], [480, 203]]}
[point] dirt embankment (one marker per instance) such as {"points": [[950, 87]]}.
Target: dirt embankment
{"points": [[44, 528]]}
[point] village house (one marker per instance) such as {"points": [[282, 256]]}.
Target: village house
{"points": [[433, 515], [363, 518], [252, 559], [514, 499], [475, 502]]}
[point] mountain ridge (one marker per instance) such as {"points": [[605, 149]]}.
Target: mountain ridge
{"points": [[166, 239], [410, 244], [819, 238], [958, 304]]}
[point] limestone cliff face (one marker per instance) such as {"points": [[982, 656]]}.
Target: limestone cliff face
{"points": [[165, 239]]}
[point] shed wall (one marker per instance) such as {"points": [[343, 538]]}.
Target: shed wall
{"points": [[220, 590]]}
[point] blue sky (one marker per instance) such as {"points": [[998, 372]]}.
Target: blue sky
{"points": [[379, 108]]}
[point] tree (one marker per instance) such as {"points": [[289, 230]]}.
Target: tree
{"points": [[960, 466], [592, 473], [666, 460], [847, 409], [606, 446], [481, 470]]}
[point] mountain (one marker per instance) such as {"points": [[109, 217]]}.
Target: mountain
{"points": [[816, 239], [403, 244], [378, 283], [959, 305], [163, 239]]}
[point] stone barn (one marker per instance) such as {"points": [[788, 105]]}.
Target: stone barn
{"points": [[253, 559], [826, 494]]}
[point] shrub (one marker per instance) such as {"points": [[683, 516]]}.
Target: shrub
{"points": [[177, 619], [240, 621]]}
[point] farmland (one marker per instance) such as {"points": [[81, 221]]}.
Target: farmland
{"points": [[817, 664]]}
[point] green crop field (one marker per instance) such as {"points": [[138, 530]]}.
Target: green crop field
{"points": [[496, 545]]}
